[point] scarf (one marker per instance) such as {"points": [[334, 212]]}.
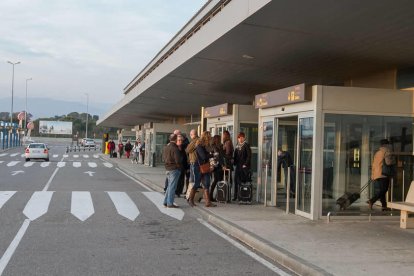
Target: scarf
{"points": [[240, 146]]}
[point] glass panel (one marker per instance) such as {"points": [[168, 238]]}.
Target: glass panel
{"points": [[267, 147], [304, 188], [161, 139], [350, 143], [286, 144], [251, 131]]}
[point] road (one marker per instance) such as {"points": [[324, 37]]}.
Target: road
{"points": [[80, 215]]}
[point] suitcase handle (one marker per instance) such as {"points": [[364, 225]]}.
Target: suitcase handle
{"points": [[224, 175]]}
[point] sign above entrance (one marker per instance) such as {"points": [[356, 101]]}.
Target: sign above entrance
{"points": [[289, 95], [218, 110], [148, 125]]}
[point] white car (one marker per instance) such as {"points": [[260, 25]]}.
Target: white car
{"points": [[37, 151], [89, 142]]}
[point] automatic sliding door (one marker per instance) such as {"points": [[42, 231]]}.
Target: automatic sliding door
{"points": [[304, 188]]}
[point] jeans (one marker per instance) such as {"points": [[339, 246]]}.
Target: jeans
{"points": [[195, 175], [380, 191], [205, 179], [172, 184]]}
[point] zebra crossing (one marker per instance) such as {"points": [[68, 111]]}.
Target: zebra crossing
{"points": [[96, 156], [82, 205], [60, 164]]}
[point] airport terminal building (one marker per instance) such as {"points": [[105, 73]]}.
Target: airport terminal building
{"points": [[323, 80]]}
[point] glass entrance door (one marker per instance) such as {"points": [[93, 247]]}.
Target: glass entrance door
{"points": [[286, 152]]}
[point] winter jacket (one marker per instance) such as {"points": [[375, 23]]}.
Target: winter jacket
{"points": [[191, 150], [242, 155], [172, 157]]}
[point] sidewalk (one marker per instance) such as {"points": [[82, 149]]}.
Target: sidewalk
{"points": [[342, 247]]}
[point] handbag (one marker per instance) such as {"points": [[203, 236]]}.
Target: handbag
{"points": [[387, 170], [205, 168]]}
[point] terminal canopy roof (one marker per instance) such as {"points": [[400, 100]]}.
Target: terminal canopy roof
{"points": [[232, 50]]}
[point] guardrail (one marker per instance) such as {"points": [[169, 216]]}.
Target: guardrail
{"points": [[82, 148]]}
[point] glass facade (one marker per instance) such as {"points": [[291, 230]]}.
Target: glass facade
{"points": [[266, 173], [304, 182], [350, 142]]}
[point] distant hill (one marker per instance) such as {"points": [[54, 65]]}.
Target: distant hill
{"points": [[44, 107]]}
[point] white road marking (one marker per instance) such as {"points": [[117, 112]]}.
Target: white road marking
{"points": [[23, 155], [51, 177], [1, 161], [124, 205], [44, 164], [82, 205], [65, 155], [37, 205], [5, 196], [13, 245], [75, 156], [245, 250], [92, 164], [158, 199], [55, 155], [61, 164], [108, 165], [85, 156], [77, 164], [14, 154], [28, 164], [3, 154], [16, 172], [90, 173], [13, 163], [96, 156]]}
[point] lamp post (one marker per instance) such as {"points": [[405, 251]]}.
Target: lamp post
{"points": [[25, 111], [11, 112], [87, 115], [11, 142]]}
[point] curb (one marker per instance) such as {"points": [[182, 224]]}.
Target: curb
{"points": [[277, 254], [271, 251]]}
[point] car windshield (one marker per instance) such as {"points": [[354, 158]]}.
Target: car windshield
{"points": [[37, 146]]}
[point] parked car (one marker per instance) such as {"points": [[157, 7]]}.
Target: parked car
{"points": [[37, 151], [88, 142]]}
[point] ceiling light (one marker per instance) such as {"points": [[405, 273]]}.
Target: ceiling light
{"points": [[190, 83]]}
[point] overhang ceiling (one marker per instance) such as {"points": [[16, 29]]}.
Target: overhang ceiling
{"points": [[291, 42]]}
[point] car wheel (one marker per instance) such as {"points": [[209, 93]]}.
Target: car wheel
{"points": [[27, 159], [47, 159]]}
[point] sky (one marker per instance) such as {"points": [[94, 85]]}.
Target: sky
{"points": [[73, 47]]}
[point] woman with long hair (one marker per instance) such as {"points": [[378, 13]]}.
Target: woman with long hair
{"points": [[217, 163], [204, 154]]}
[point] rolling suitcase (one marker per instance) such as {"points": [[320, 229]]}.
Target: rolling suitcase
{"points": [[348, 198], [114, 155], [223, 188], [245, 193]]}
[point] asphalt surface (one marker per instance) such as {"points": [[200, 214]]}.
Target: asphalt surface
{"points": [[79, 215]]}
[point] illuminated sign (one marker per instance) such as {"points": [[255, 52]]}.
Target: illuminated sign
{"points": [[289, 95], [218, 110]]}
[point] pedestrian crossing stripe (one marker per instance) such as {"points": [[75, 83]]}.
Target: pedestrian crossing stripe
{"points": [[28, 164], [13, 163], [44, 164], [3, 154], [14, 154], [82, 204], [77, 164], [59, 164], [54, 155]]}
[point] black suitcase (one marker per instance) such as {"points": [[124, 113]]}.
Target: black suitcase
{"points": [[114, 155], [348, 198], [245, 193], [223, 187]]}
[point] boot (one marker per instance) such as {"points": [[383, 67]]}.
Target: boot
{"points": [[212, 199], [207, 199], [191, 197]]}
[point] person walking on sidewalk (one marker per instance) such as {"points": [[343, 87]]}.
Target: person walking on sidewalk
{"points": [[128, 148], [203, 150], [111, 148], [173, 164], [181, 147], [120, 149], [228, 154], [380, 177], [242, 157], [135, 153], [195, 177]]}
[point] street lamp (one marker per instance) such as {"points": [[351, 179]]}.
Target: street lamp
{"points": [[25, 112], [11, 113], [87, 107]]}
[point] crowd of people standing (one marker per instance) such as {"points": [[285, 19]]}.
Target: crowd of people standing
{"points": [[200, 163]]}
